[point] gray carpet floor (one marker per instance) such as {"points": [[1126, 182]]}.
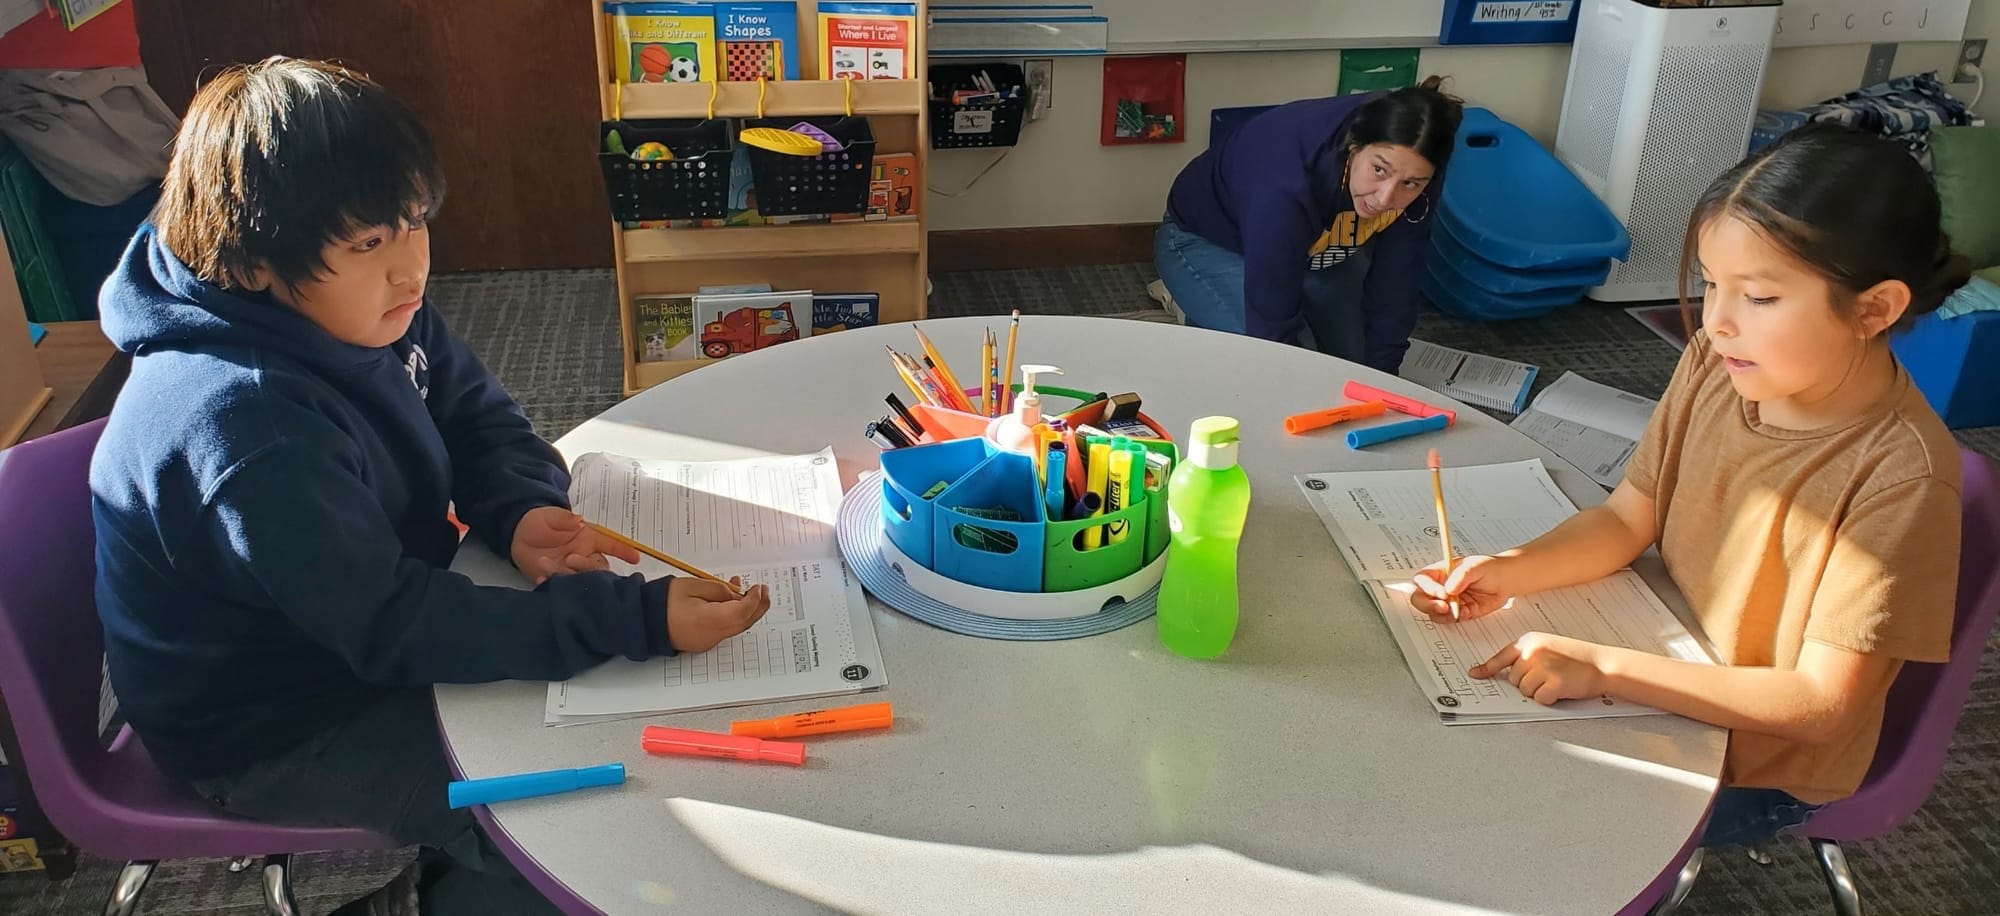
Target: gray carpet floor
{"points": [[552, 337]]}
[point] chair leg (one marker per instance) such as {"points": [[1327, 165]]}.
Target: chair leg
{"points": [[1682, 885], [278, 886], [240, 865], [125, 894], [1839, 878]]}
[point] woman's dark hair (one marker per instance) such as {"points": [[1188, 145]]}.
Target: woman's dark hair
{"points": [[277, 159], [1421, 117], [1854, 207]]}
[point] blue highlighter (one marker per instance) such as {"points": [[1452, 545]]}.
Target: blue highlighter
{"points": [[1376, 435], [467, 792]]}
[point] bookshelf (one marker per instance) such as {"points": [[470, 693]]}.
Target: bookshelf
{"points": [[889, 258]]}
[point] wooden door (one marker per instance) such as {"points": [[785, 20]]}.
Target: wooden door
{"points": [[507, 90]]}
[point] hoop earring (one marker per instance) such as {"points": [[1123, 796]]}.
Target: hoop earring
{"points": [[1428, 206]]}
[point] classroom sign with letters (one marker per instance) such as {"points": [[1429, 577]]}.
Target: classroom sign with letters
{"points": [[1501, 22], [1843, 22]]}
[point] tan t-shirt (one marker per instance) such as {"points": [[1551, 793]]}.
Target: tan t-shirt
{"points": [[1846, 536]]}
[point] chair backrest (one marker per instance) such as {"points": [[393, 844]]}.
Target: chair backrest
{"points": [[51, 643], [1924, 704]]}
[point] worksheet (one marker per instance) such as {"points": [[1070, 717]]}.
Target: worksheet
{"points": [[768, 520], [1594, 427], [1385, 525], [1487, 381]]}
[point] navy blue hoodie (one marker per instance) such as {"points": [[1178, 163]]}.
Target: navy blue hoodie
{"points": [[272, 540], [1270, 191]]}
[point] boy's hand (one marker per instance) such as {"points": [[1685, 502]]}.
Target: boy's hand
{"points": [[701, 614], [1548, 668], [550, 542], [1478, 585]]}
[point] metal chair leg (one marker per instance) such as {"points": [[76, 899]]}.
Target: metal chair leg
{"points": [[125, 894], [240, 865], [1682, 885], [1839, 878], [278, 886]]}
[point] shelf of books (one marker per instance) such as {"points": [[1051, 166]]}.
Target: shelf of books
{"points": [[764, 162]]}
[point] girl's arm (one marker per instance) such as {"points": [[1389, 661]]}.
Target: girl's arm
{"points": [[1814, 703], [1587, 546]]}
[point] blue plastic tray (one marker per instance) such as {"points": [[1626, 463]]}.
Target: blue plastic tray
{"points": [[1514, 204], [1501, 279], [1452, 294]]}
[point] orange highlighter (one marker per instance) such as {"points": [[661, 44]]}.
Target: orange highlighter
{"points": [[1319, 419], [682, 742], [817, 722]]}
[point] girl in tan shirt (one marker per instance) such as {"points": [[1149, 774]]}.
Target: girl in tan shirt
{"points": [[1804, 496]]}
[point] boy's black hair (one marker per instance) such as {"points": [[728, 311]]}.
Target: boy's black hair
{"points": [[279, 158], [1853, 206]]}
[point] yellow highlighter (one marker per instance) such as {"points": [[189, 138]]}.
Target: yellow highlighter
{"points": [[1098, 474], [1118, 494]]}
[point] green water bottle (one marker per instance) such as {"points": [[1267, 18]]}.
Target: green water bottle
{"points": [[1208, 498]]}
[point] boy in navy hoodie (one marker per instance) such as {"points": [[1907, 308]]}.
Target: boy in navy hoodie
{"points": [[271, 494]]}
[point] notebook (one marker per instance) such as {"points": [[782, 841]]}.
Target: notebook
{"points": [[1593, 427], [1487, 381], [770, 520], [1385, 525]]}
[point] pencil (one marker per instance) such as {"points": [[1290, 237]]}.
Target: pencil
{"points": [[986, 374], [896, 359], [943, 369], [681, 565], [1007, 372], [1444, 523]]}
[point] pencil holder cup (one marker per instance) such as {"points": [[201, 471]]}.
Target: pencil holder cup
{"points": [[1068, 565], [907, 474], [989, 528], [1157, 530]]}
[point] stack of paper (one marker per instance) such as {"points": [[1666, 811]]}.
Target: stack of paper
{"points": [[1486, 381], [1385, 523], [1594, 427], [769, 520]]}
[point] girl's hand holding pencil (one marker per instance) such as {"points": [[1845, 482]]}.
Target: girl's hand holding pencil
{"points": [[1478, 585]]}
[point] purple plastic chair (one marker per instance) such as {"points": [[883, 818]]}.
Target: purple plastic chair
{"points": [[1921, 712], [113, 802]]}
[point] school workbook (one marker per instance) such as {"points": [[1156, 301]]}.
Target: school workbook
{"points": [[1594, 427], [1385, 523], [1485, 381], [769, 520]]}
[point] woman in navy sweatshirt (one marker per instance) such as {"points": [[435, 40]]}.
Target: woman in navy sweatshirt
{"points": [[1307, 225]]}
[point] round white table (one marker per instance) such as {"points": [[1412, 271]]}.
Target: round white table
{"points": [[1301, 772]]}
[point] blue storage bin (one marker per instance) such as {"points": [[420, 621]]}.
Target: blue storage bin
{"points": [[1004, 481], [1516, 205], [1499, 279], [1456, 297], [1953, 362], [907, 474]]}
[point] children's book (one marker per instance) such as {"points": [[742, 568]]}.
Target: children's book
{"points": [[1385, 526], [1593, 427], [840, 311], [664, 328], [1487, 381], [770, 520], [867, 41], [758, 40], [662, 42], [741, 322], [892, 189]]}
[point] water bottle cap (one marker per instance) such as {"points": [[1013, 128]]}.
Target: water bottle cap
{"points": [[1212, 442]]}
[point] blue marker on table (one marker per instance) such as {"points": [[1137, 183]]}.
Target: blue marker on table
{"points": [[1376, 435], [466, 792]]}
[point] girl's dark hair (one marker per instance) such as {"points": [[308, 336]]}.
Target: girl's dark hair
{"points": [[1854, 207], [276, 159], [1421, 117]]}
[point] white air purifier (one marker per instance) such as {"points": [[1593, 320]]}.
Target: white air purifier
{"points": [[1659, 102]]}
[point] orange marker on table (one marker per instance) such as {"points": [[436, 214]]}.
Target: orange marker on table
{"points": [[683, 742], [1306, 422], [817, 722]]}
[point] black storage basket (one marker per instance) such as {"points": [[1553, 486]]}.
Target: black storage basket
{"points": [[978, 124], [692, 185], [831, 182]]}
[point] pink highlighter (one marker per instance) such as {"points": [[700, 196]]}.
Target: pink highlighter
{"points": [[683, 742]]}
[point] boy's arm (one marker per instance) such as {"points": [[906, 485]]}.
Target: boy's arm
{"points": [[294, 527], [500, 467]]}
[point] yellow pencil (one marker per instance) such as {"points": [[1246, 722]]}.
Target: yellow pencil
{"points": [[681, 565], [896, 359], [943, 369], [1007, 371], [985, 373], [1444, 523]]}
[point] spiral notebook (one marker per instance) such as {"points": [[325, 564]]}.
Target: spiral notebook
{"points": [[770, 520], [1385, 524]]}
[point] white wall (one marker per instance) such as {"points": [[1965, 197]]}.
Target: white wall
{"points": [[1060, 176]]}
